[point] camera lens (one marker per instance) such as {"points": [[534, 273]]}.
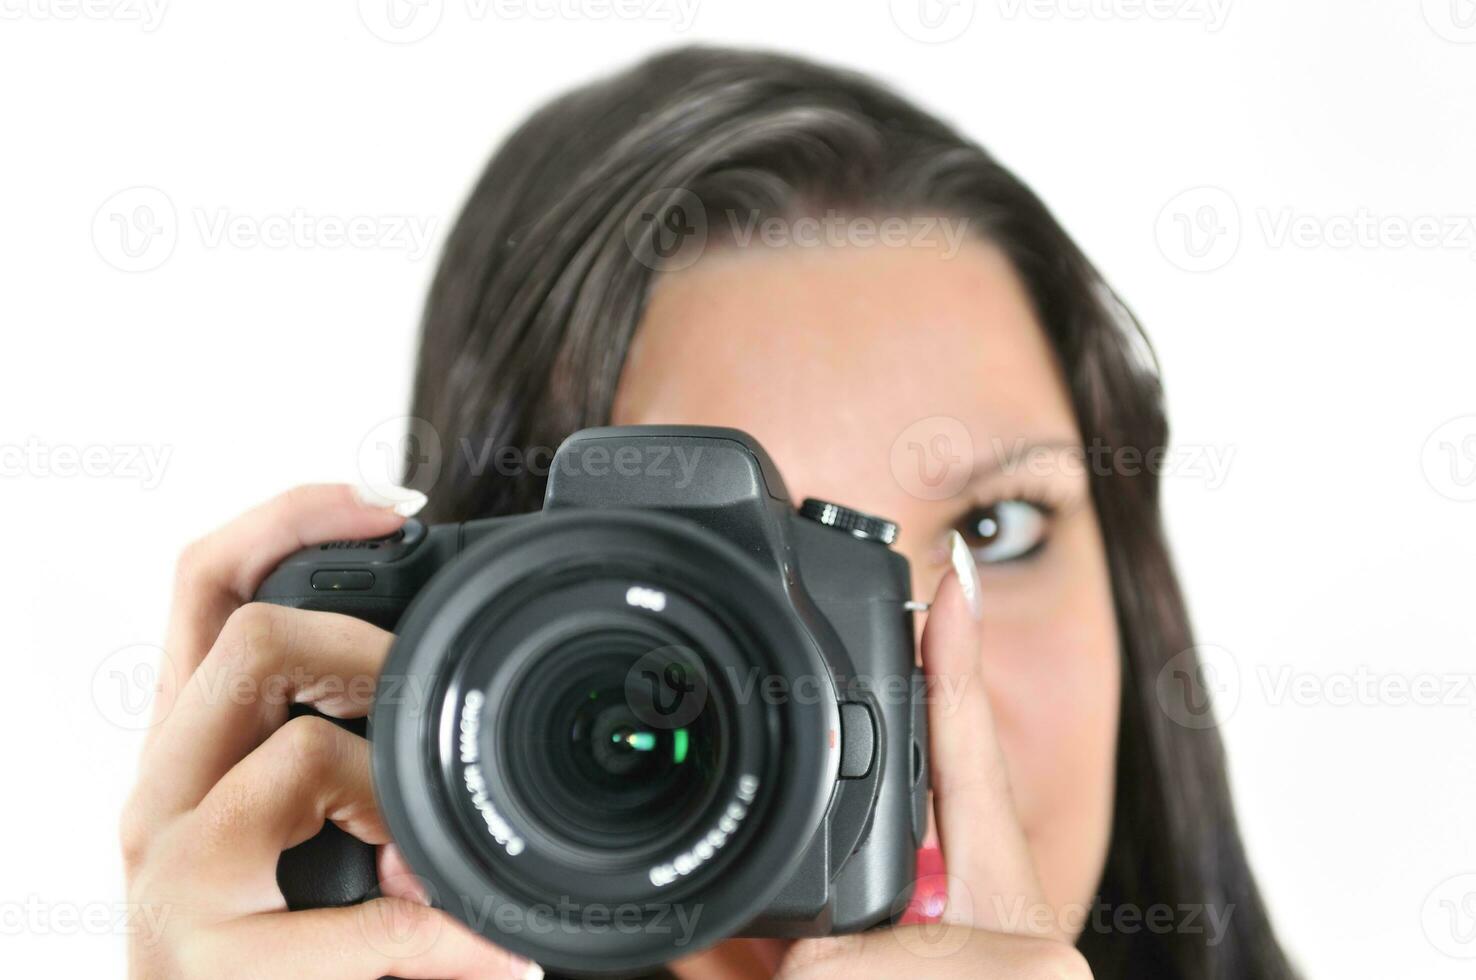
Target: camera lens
{"points": [[607, 746], [570, 731]]}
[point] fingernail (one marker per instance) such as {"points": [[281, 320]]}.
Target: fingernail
{"points": [[401, 500], [968, 573], [534, 972]]}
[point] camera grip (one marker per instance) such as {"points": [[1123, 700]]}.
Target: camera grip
{"points": [[333, 868]]}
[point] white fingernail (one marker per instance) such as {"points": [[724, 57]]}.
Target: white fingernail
{"points": [[534, 972], [401, 500], [968, 573]]}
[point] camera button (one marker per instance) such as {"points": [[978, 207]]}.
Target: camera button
{"points": [[342, 580], [858, 740]]}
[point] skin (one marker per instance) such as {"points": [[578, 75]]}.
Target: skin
{"points": [[827, 356]]}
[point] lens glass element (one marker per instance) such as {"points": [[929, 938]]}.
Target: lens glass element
{"points": [[613, 742]]}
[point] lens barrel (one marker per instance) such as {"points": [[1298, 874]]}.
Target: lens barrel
{"points": [[572, 748]]}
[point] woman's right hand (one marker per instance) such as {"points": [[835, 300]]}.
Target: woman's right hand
{"points": [[227, 783]]}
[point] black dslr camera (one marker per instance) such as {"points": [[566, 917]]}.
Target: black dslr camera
{"points": [[665, 710]]}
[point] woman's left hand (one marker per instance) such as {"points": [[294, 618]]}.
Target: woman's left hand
{"points": [[996, 922]]}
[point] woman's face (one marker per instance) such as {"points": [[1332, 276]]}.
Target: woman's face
{"points": [[916, 383]]}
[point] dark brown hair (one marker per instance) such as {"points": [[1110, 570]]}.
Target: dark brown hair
{"points": [[540, 290]]}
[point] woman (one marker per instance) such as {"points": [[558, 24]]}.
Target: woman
{"points": [[702, 240]]}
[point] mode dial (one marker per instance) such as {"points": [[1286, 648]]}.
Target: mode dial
{"points": [[853, 522]]}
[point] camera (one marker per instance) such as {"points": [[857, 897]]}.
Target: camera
{"points": [[666, 709]]}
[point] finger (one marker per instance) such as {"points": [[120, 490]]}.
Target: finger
{"points": [[992, 878], [309, 771], [396, 878], [382, 937], [940, 951], [221, 571], [265, 659]]}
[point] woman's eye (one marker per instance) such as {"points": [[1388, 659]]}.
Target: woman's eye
{"points": [[1006, 531]]}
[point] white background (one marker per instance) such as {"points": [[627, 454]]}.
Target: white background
{"points": [[1331, 565]]}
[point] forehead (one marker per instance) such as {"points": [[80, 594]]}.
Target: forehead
{"points": [[827, 355]]}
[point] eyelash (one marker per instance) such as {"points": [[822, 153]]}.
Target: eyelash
{"points": [[969, 523]]}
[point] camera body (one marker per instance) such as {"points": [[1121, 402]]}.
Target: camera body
{"points": [[668, 696]]}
